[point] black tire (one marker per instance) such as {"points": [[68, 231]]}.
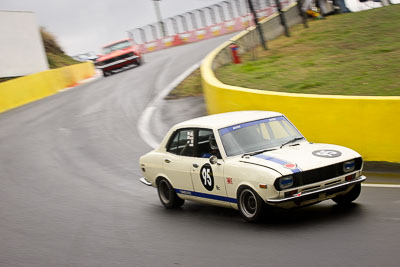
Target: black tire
{"points": [[250, 204], [348, 197], [139, 61], [167, 194], [106, 73]]}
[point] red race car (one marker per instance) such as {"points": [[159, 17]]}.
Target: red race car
{"points": [[118, 55]]}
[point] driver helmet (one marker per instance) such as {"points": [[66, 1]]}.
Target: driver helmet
{"points": [[213, 142]]}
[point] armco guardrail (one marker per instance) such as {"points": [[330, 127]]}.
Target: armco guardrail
{"points": [[20, 91], [370, 125]]}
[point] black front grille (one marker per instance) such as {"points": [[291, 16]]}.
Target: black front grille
{"points": [[108, 61], [320, 174]]}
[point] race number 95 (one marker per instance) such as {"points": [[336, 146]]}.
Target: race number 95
{"points": [[207, 177]]}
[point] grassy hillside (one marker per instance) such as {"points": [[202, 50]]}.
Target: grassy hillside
{"points": [[349, 54], [55, 55]]}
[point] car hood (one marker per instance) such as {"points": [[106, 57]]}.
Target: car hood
{"points": [[116, 53], [301, 157]]}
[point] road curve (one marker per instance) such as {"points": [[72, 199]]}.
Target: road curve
{"points": [[70, 196]]}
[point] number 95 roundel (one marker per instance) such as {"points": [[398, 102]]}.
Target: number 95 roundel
{"points": [[207, 177]]}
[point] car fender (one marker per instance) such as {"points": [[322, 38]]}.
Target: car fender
{"points": [[252, 176]]}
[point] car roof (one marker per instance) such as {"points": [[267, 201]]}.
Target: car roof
{"points": [[222, 120]]}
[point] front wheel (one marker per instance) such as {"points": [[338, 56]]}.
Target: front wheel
{"points": [[139, 61], [348, 197], [250, 204], [167, 195], [106, 73]]}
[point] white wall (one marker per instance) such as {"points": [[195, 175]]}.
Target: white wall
{"points": [[21, 46]]}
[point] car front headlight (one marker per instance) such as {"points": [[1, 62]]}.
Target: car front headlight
{"points": [[285, 182], [349, 166]]}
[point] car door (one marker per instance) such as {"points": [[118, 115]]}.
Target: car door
{"points": [[178, 159], [208, 179]]}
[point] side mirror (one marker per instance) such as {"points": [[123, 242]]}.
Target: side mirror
{"points": [[214, 160]]}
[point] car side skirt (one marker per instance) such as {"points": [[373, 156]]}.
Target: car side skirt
{"points": [[205, 196]]}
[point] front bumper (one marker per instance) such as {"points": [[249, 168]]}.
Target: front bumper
{"points": [[117, 62], [145, 181], [307, 196]]}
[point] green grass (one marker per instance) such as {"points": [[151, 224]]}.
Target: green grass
{"points": [[57, 60], [4, 79], [55, 55], [350, 54], [191, 86]]}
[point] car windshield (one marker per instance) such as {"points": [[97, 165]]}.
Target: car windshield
{"points": [[117, 46], [257, 135]]}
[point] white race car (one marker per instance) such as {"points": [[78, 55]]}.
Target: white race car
{"points": [[247, 159]]}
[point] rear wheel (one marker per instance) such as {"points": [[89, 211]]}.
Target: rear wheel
{"points": [[250, 204], [348, 197], [167, 195]]}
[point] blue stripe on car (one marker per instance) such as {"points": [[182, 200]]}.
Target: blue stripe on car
{"points": [[278, 161], [204, 195]]}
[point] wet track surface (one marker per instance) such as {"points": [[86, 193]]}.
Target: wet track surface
{"points": [[69, 193]]}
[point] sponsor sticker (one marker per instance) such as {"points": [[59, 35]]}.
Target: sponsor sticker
{"points": [[327, 153]]}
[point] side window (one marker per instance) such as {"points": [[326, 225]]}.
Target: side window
{"points": [[206, 144], [182, 143], [173, 144]]}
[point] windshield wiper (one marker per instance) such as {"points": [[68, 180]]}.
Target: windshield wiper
{"points": [[257, 152], [293, 140]]}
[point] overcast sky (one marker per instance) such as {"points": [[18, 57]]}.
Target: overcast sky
{"points": [[85, 25]]}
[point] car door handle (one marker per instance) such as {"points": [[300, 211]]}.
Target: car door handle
{"points": [[167, 160], [195, 165]]}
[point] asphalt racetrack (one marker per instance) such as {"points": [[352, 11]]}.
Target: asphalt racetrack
{"points": [[70, 195]]}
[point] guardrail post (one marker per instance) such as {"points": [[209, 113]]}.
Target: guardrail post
{"points": [[184, 23], [282, 17], [203, 17], [143, 35], [221, 12], [154, 31], [212, 14], [230, 9], [238, 7], [174, 25], [194, 22]]}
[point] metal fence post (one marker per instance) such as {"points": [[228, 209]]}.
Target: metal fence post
{"points": [[282, 17], [263, 42], [302, 13]]}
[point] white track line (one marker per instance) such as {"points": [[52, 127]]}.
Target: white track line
{"points": [[382, 185], [144, 120]]}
